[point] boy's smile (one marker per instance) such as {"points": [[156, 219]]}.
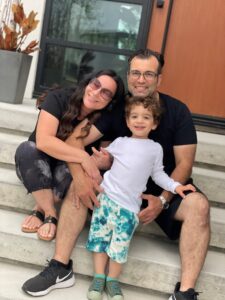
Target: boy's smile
{"points": [[140, 121]]}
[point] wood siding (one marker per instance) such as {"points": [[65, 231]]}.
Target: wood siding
{"points": [[195, 53]]}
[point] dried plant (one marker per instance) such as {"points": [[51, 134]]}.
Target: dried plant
{"points": [[13, 39]]}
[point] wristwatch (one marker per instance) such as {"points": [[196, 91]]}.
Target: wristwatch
{"points": [[165, 204]]}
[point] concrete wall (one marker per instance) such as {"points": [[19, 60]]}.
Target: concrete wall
{"points": [[39, 7]]}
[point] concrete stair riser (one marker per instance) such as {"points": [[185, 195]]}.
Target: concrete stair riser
{"points": [[14, 196], [19, 117], [11, 290], [217, 229], [141, 270], [211, 182], [210, 149], [8, 146], [153, 262], [206, 153]]}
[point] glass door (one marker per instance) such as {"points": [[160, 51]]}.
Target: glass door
{"points": [[82, 36]]}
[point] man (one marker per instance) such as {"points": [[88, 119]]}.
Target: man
{"points": [[176, 217]]}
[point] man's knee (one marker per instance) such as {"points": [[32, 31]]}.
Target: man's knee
{"points": [[197, 205]]}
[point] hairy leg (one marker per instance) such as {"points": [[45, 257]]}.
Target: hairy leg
{"points": [[194, 238], [71, 223]]}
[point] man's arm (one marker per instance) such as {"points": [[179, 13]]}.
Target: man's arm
{"points": [[184, 158]]}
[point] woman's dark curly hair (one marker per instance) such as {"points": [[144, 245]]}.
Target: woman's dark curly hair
{"points": [[66, 126]]}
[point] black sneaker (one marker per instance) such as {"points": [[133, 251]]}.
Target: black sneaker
{"points": [[54, 276], [190, 294]]}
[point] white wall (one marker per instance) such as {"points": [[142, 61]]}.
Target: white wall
{"points": [[39, 7]]}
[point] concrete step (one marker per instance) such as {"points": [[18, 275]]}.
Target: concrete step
{"points": [[217, 216], [152, 264], [13, 196], [211, 182], [20, 117], [8, 144], [210, 148], [12, 277]]}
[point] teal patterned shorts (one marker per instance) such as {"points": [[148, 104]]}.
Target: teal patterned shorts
{"points": [[112, 228]]}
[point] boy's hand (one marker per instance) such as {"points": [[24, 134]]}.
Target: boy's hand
{"points": [[181, 188], [102, 158]]}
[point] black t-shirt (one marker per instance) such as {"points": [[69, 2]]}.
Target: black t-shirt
{"points": [[56, 103], [176, 128]]}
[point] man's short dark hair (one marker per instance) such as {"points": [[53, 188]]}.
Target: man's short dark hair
{"points": [[146, 53]]}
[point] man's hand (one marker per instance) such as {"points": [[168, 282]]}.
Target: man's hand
{"points": [[90, 167], [154, 208], [84, 190], [102, 158]]}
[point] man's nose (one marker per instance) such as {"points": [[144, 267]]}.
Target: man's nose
{"points": [[141, 78]]}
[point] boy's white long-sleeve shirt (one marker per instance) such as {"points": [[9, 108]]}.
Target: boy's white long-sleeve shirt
{"points": [[134, 161]]}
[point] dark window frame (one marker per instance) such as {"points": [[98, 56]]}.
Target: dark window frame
{"points": [[147, 7]]}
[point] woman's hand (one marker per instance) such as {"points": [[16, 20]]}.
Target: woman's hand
{"points": [[89, 166], [85, 190]]}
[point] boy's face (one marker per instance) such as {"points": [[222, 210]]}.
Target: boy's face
{"points": [[140, 121]]}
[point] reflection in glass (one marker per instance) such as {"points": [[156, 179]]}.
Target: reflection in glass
{"points": [[98, 22], [66, 66]]}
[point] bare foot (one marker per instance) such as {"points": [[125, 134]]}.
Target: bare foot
{"points": [[47, 231], [32, 222]]}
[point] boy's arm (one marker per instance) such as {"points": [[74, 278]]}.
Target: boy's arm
{"points": [[184, 157]]}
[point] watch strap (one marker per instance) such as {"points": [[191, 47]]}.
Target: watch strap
{"points": [[165, 204]]}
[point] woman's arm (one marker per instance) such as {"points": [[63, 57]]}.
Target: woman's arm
{"points": [[47, 142]]}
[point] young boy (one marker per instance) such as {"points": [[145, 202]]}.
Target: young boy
{"points": [[135, 159]]}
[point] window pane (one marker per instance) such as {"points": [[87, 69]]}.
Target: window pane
{"points": [[98, 22], [66, 66]]}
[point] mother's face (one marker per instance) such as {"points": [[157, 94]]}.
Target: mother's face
{"points": [[99, 92]]}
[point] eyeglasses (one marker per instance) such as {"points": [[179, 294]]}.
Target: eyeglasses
{"points": [[148, 75], [106, 94]]}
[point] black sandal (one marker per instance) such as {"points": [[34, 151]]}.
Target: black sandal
{"points": [[48, 220], [37, 214]]}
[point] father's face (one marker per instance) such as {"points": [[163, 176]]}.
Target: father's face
{"points": [[148, 80]]}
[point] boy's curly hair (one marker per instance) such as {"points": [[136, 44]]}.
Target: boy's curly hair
{"points": [[152, 103]]}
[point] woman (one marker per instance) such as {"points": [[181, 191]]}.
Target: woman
{"points": [[41, 162]]}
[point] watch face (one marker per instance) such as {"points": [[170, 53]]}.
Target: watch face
{"points": [[166, 205]]}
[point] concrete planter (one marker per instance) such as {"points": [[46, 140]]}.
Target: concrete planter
{"points": [[14, 71]]}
